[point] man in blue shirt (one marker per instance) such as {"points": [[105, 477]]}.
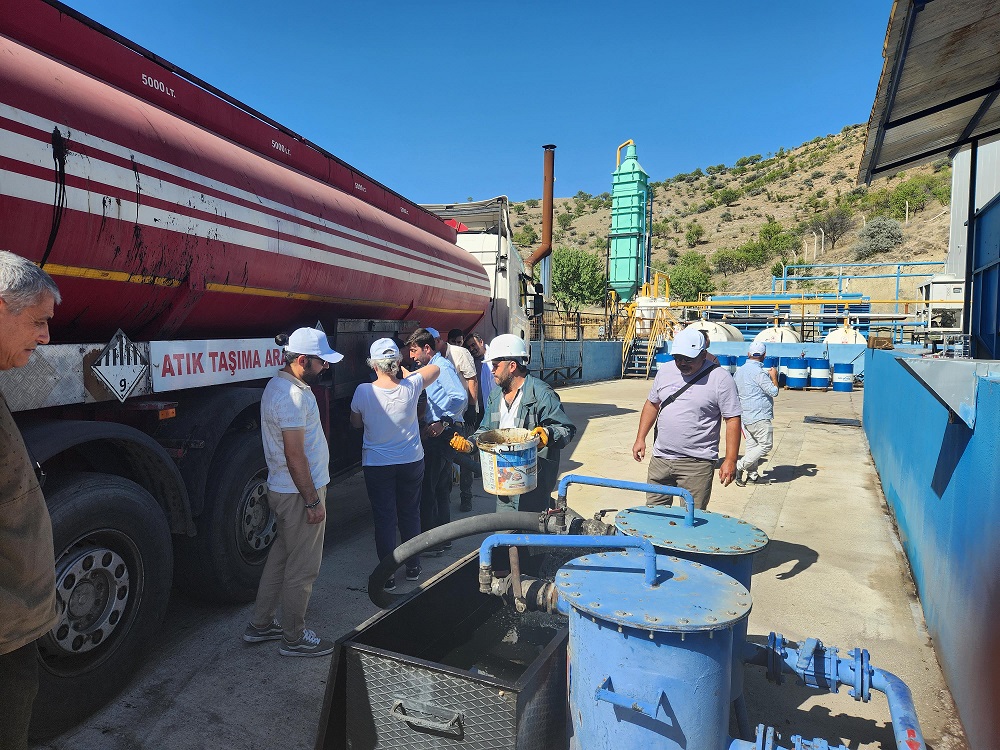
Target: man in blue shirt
{"points": [[757, 390], [446, 402]]}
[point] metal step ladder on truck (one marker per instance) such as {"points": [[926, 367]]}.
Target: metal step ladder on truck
{"points": [[184, 230]]}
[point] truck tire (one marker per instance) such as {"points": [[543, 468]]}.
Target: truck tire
{"points": [[223, 563], [113, 574]]}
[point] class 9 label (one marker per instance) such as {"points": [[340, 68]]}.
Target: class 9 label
{"points": [[157, 85]]}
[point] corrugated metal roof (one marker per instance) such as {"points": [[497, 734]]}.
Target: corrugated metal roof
{"points": [[939, 84]]}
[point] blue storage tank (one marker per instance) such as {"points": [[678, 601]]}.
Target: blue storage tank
{"points": [[783, 369], [727, 362]]}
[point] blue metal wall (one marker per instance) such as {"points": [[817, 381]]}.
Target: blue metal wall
{"points": [[942, 482], [602, 360], [986, 282]]}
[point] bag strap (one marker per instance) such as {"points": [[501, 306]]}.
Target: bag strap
{"points": [[673, 396]]}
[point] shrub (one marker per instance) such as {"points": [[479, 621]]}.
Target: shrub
{"points": [[727, 196], [778, 268], [726, 216], [531, 203], [518, 208], [880, 235], [694, 233], [745, 161], [565, 221]]}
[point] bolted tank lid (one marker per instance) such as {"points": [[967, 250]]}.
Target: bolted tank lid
{"points": [[712, 533], [688, 597]]}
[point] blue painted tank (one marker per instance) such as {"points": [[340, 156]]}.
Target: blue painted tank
{"points": [[783, 369], [843, 377], [798, 373], [727, 362], [650, 666], [770, 362], [720, 541], [819, 372]]}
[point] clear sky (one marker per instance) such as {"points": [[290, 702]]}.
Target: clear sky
{"points": [[442, 101]]}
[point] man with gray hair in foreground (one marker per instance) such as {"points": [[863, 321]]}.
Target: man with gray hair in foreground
{"points": [[28, 297]]}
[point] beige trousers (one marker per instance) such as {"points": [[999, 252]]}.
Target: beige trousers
{"points": [[692, 474], [292, 565]]}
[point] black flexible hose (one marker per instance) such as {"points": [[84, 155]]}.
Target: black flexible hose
{"points": [[516, 521]]}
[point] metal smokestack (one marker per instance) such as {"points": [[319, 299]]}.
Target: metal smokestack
{"points": [[548, 179]]}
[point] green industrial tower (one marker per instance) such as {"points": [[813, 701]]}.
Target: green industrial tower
{"points": [[628, 252]]}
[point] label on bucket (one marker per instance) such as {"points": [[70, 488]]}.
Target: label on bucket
{"points": [[510, 472]]}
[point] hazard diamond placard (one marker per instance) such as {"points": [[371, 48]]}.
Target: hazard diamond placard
{"points": [[120, 366]]}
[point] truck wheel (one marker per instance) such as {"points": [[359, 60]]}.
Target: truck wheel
{"points": [[113, 574], [224, 561]]}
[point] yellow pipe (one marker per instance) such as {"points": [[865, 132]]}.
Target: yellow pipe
{"points": [[618, 158]]}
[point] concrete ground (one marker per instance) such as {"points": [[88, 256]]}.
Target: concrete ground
{"points": [[833, 570]]}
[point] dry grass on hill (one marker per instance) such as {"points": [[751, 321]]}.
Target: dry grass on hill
{"points": [[794, 187]]}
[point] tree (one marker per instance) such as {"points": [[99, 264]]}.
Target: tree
{"points": [[565, 221], [880, 235], [577, 279], [694, 233], [835, 223], [526, 237], [727, 196], [691, 277], [728, 261]]}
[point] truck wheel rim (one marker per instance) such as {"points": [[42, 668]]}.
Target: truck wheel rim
{"points": [[93, 586], [258, 524]]}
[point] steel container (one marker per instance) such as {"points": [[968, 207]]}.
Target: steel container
{"points": [[449, 668], [843, 377], [797, 373], [650, 667]]}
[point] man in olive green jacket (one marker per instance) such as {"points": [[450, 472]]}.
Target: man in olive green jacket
{"points": [[27, 563]]}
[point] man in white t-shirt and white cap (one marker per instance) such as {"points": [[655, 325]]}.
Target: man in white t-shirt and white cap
{"points": [[298, 464], [689, 401]]}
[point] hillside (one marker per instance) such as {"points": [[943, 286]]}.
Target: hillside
{"points": [[794, 188]]}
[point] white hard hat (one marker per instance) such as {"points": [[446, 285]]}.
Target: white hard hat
{"points": [[507, 346]]}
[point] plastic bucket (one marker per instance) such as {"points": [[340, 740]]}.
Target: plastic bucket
{"points": [[843, 377], [819, 373], [798, 373], [509, 460]]}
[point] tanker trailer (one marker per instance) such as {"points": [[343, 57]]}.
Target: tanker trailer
{"points": [[184, 230]]}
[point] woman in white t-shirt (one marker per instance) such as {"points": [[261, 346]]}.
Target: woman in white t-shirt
{"points": [[391, 454]]}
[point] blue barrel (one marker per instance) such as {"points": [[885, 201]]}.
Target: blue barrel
{"points": [[726, 362], [770, 362], [661, 358], [649, 666], [798, 373], [783, 369], [819, 372], [740, 361], [843, 377]]}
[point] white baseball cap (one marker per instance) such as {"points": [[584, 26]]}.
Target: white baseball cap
{"points": [[757, 349], [384, 349], [313, 342], [688, 343]]}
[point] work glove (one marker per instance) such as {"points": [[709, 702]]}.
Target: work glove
{"points": [[543, 435], [460, 444]]}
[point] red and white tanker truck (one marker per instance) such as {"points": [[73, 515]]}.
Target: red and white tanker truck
{"points": [[184, 231]]}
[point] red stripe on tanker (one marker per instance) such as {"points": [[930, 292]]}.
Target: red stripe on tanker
{"points": [[191, 206]]}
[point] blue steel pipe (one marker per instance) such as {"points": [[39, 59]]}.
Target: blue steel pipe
{"points": [[821, 667], [577, 542], [619, 484]]}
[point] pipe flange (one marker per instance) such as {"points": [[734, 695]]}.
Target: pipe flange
{"points": [[863, 672], [776, 654]]}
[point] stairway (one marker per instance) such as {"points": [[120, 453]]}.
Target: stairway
{"points": [[636, 364]]}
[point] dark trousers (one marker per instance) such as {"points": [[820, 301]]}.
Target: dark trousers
{"points": [[467, 467], [394, 492], [18, 687], [435, 503]]}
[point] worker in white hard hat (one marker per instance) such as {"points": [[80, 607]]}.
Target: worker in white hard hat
{"points": [[522, 400]]}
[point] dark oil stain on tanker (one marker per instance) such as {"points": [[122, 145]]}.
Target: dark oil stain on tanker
{"points": [[60, 148]]}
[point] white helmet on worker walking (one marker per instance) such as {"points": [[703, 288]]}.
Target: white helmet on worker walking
{"points": [[507, 346]]}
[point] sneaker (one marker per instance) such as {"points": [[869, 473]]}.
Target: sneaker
{"points": [[390, 585], [465, 506], [741, 478], [413, 574], [755, 478], [253, 634], [309, 644]]}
